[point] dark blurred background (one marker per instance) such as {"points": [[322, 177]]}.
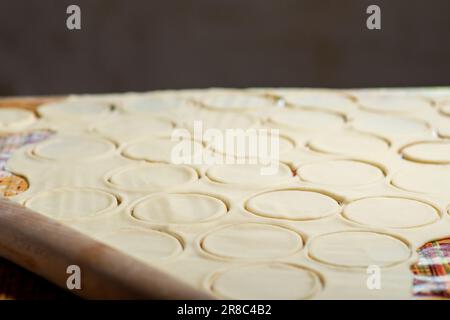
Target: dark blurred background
{"points": [[142, 45]]}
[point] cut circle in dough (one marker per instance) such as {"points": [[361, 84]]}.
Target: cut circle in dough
{"points": [[72, 203], [12, 119], [437, 152], [145, 244], [444, 131], [358, 249], [340, 173], [348, 143], [153, 104], [393, 103], [273, 281], [252, 241], [151, 176], [179, 208], [235, 101], [80, 110], [293, 204], [160, 149], [390, 212], [386, 125], [73, 147], [246, 146], [321, 100], [445, 108], [249, 174], [432, 179], [130, 127], [307, 119]]}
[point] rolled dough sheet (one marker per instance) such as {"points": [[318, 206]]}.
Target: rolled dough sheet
{"points": [[363, 181]]}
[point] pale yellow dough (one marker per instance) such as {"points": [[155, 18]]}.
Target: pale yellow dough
{"points": [[428, 152], [252, 241], [293, 204], [266, 281], [71, 203], [349, 143], [391, 212], [358, 249], [358, 183], [13, 119], [165, 208], [340, 173]]}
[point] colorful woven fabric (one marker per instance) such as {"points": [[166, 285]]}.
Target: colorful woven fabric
{"points": [[11, 184], [432, 272]]}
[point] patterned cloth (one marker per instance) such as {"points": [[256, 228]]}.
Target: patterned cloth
{"points": [[432, 272], [11, 184]]}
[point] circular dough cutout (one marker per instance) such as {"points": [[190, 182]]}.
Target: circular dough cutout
{"points": [[386, 125], [390, 212], [153, 176], [321, 100], [153, 104], [274, 281], [68, 203], [129, 127], [433, 179], [144, 244], [307, 119], [437, 152], [249, 174], [235, 101], [348, 144], [445, 109], [81, 110], [340, 173], [293, 204], [73, 147], [15, 119], [389, 103], [250, 146], [160, 150], [179, 208], [252, 241], [358, 249]]}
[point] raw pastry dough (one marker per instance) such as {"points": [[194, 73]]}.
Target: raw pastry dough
{"points": [[307, 119], [252, 241], [433, 179], [145, 244], [428, 152], [391, 212], [248, 174], [78, 110], [386, 125], [73, 147], [343, 196], [266, 281], [12, 119], [293, 205], [152, 177], [159, 149], [340, 173], [179, 208], [358, 249], [393, 103], [348, 143], [71, 203], [235, 101]]}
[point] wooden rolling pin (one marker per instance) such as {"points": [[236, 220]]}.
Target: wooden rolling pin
{"points": [[47, 247]]}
